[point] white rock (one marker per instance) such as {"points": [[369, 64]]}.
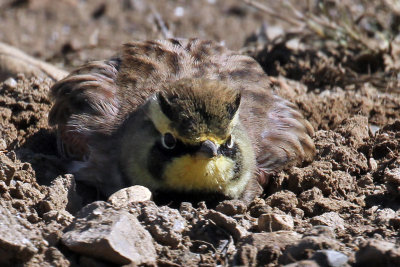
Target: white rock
{"points": [[11, 83], [271, 222], [123, 197], [114, 236], [331, 219]]}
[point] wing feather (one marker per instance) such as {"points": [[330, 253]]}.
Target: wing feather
{"points": [[84, 102]]}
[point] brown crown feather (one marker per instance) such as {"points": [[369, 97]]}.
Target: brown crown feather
{"points": [[199, 106]]}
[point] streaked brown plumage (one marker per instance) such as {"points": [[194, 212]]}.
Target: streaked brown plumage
{"points": [[99, 102]]}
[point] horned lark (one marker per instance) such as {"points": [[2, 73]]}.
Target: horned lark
{"points": [[181, 115]]}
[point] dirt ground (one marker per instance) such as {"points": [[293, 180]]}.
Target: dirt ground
{"points": [[343, 209]]}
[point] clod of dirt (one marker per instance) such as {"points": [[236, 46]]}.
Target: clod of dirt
{"points": [[271, 222], [383, 216], [314, 203], [113, 235], [14, 242], [227, 223], [263, 247], [166, 225], [231, 207], [62, 196], [307, 246], [392, 181], [335, 149], [259, 207], [330, 258], [331, 219], [284, 200], [125, 196], [187, 211], [355, 130], [62, 217], [321, 230], [23, 111], [378, 253]]}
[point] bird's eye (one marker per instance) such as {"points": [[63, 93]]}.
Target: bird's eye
{"points": [[229, 142], [168, 141]]}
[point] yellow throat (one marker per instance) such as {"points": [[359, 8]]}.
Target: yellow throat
{"points": [[196, 173]]}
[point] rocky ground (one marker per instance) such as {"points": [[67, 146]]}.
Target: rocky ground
{"points": [[343, 209]]}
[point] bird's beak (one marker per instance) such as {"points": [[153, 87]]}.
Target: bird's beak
{"points": [[208, 149]]}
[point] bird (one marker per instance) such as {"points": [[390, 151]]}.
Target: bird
{"points": [[178, 115]]}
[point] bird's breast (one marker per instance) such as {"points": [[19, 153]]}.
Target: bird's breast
{"points": [[189, 172]]}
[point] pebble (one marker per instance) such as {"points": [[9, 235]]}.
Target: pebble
{"points": [[271, 222], [231, 207], [165, 224], [331, 219], [15, 238], [303, 263], [10, 83], [373, 165], [125, 196], [116, 236], [375, 252], [383, 216], [392, 180], [227, 223], [3, 145], [263, 247], [331, 258]]}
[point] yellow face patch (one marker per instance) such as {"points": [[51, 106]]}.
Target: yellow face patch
{"points": [[193, 173]]}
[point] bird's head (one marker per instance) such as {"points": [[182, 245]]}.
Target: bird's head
{"points": [[189, 138]]}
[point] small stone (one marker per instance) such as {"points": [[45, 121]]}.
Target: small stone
{"points": [[283, 200], [101, 232], [15, 238], [378, 253], [307, 246], [365, 180], [52, 233], [10, 83], [373, 165], [125, 196], [62, 195], [355, 129], [62, 217], [331, 219], [166, 225], [187, 211], [3, 145], [392, 180], [297, 213], [271, 222], [303, 263], [227, 223], [259, 207], [373, 128], [321, 230], [231, 207], [383, 216], [308, 198], [330, 258], [3, 186], [257, 248]]}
